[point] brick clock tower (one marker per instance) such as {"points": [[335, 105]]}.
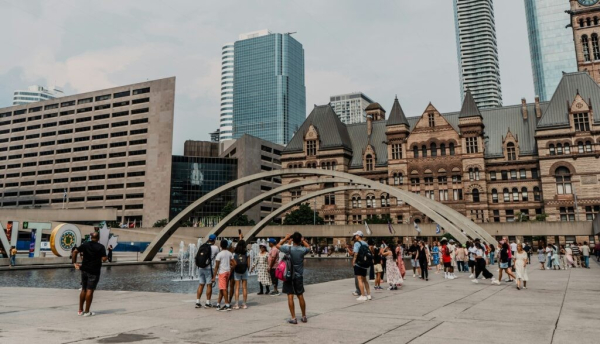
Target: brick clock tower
{"points": [[585, 21]]}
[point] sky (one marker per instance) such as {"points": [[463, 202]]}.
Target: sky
{"points": [[381, 48]]}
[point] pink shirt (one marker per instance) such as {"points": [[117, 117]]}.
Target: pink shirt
{"points": [[273, 257]]}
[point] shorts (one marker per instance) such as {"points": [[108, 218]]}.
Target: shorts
{"points": [[89, 281], [447, 264], [358, 271], [504, 266], [273, 277], [204, 276], [471, 263], [377, 268], [414, 263], [239, 277], [223, 280], [294, 287]]}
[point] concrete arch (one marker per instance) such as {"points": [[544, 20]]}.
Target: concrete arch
{"points": [[256, 200], [259, 226], [440, 213]]}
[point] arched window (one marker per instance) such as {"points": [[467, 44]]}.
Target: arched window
{"points": [[536, 194], [524, 194], [354, 202], [369, 162], [471, 174], [563, 181], [580, 22], [559, 150], [398, 179], [476, 173], [580, 147], [371, 203], [552, 150], [494, 196], [511, 153], [433, 148], [443, 149], [415, 152], [588, 21], [595, 20], [567, 148], [451, 148], [475, 194], [424, 151], [586, 48], [333, 165], [506, 195], [588, 146], [515, 194], [385, 200], [595, 47]]}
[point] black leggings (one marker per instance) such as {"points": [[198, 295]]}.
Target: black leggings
{"points": [[480, 268], [424, 271]]}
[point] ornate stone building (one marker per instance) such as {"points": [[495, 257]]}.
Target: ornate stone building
{"points": [[502, 164], [585, 21]]}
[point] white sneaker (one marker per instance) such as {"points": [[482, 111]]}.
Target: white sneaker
{"points": [[369, 297], [414, 275], [355, 293], [446, 276], [451, 277], [361, 298], [496, 282], [89, 314], [475, 281], [471, 276]]}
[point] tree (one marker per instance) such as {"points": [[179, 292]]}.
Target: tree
{"points": [[541, 217], [447, 236], [160, 223], [240, 220], [304, 215], [383, 220]]}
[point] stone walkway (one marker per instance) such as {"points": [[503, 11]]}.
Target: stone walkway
{"points": [[559, 307]]}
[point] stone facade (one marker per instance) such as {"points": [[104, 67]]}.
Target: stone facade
{"points": [[504, 164], [585, 21]]}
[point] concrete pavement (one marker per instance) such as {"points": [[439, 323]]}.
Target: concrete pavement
{"points": [[558, 307]]}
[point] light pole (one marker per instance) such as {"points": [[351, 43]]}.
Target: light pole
{"points": [[315, 213]]}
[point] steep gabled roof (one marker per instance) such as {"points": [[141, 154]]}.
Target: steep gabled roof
{"points": [[557, 113], [360, 140], [397, 115], [469, 107], [332, 132]]}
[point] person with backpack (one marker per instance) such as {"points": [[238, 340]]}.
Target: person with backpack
{"points": [[363, 258], [204, 261], [223, 263], [240, 273], [273, 262], [294, 282]]}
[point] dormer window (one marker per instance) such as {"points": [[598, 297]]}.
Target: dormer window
{"points": [[311, 147], [511, 153], [369, 162], [431, 120], [581, 121]]}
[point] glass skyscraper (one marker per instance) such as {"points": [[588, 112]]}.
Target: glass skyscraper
{"points": [[550, 44], [269, 95]]}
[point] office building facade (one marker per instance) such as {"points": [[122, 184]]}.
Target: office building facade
{"points": [[36, 93], [350, 107], [269, 94], [550, 44], [227, 75], [479, 69], [103, 149], [193, 177]]}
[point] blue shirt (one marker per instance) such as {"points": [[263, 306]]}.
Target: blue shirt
{"points": [[356, 248], [297, 254]]}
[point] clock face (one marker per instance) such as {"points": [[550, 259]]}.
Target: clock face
{"points": [[588, 2]]}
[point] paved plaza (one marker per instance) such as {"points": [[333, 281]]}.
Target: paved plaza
{"points": [[558, 307]]}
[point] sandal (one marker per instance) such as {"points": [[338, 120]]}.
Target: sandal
{"points": [[293, 321], [244, 306], [236, 307]]}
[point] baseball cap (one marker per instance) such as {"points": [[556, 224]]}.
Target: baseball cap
{"points": [[212, 237], [359, 233], [451, 240], [272, 241], [443, 239]]}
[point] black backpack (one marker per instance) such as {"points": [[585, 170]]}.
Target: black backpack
{"points": [[204, 256], [241, 263], [365, 257]]}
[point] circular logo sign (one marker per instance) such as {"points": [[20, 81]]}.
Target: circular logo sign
{"points": [[63, 238]]}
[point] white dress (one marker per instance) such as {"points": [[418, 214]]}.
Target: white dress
{"points": [[521, 266]]}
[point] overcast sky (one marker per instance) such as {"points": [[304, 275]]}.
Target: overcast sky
{"points": [[382, 48]]}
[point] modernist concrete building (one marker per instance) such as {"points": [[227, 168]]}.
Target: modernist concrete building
{"points": [[505, 164], [351, 107], [479, 69], [103, 149]]}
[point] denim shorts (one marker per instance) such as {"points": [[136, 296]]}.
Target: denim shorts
{"points": [[204, 276], [239, 277], [503, 265]]}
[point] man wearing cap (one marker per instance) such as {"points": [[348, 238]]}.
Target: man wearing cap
{"points": [[360, 271], [205, 274], [273, 261]]}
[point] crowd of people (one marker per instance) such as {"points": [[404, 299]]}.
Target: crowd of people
{"points": [[283, 260]]}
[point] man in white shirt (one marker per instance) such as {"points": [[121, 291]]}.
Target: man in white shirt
{"points": [[513, 248], [224, 261]]}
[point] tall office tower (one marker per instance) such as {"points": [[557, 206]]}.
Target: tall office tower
{"points": [[585, 18], [226, 117], [269, 95], [550, 44], [479, 69], [350, 107], [36, 93]]}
